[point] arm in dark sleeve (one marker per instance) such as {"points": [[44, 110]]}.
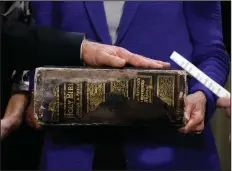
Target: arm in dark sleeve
{"points": [[29, 47], [205, 28]]}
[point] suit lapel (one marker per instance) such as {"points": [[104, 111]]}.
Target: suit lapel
{"points": [[97, 15], [129, 11]]}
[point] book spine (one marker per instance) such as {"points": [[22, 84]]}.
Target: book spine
{"points": [[72, 101]]}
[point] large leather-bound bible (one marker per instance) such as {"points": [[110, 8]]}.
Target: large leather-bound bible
{"points": [[90, 96]]}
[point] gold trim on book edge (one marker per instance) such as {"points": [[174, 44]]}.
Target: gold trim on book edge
{"points": [[64, 95], [58, 102]]}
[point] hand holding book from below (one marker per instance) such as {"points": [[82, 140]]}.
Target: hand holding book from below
{"points": [[195, 106], [30, 115], [225, 103], [13, 115]]}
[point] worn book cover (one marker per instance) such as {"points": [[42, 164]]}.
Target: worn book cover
{"points": [[88, 96]]}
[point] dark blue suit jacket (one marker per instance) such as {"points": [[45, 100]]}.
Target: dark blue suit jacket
{"points": [[155, 30]]}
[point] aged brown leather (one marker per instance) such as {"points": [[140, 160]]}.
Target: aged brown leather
{"points": [[90, 97]]}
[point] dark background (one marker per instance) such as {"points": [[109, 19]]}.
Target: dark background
{"points": [[22, 150], [226, 24]]}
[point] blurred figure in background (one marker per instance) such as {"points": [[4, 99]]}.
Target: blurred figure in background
{"points": [[28, 46], [155, 30]]}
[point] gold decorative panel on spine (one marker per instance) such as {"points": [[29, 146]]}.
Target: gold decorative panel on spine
{"points": [[120, 87], [95, 95], [165, 88]]}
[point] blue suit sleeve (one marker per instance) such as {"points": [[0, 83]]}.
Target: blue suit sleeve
{"points": [[43, 12], [205, 29]]}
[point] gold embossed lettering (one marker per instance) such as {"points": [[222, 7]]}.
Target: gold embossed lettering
{"points": [[70, 107], [70, 100], [70, 87], [142, 88], [69, 94]]}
